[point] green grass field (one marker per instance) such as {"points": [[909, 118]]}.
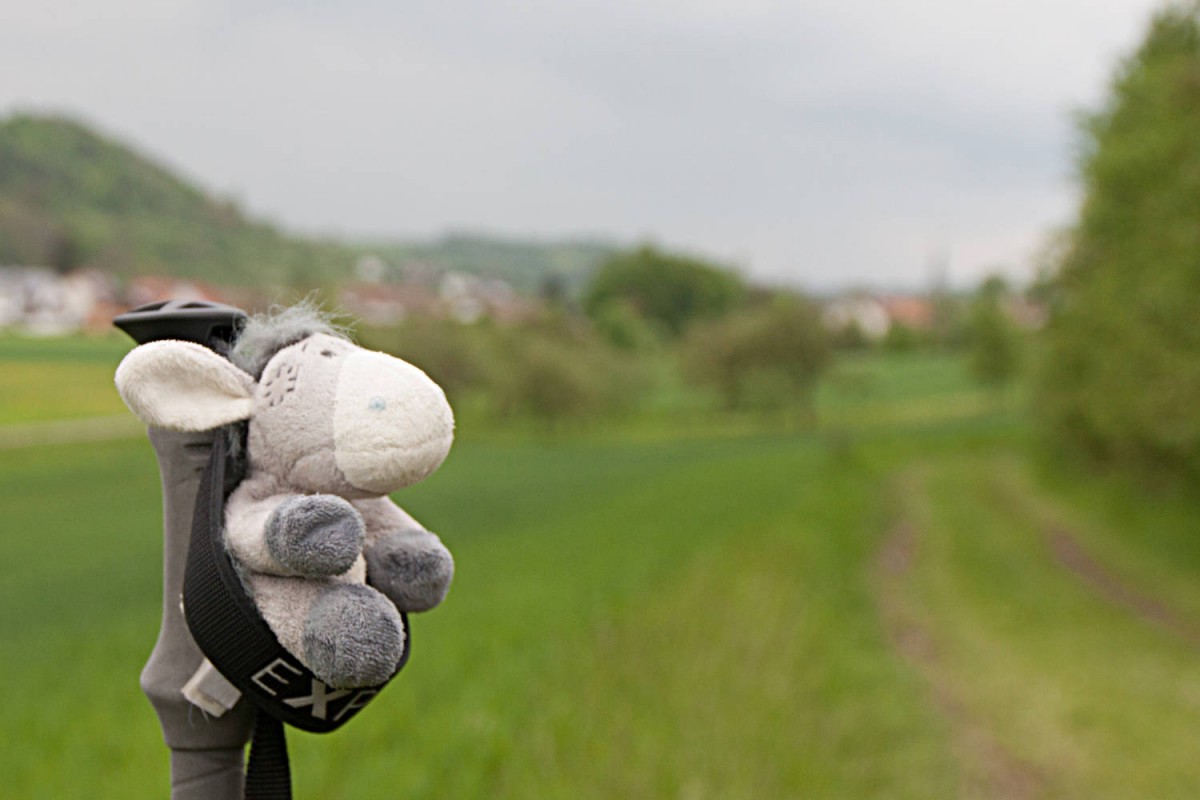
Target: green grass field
{"points": [[54, 379], [880, 608]]}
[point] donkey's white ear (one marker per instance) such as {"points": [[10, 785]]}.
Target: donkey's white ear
{"points": [[183, 386]]}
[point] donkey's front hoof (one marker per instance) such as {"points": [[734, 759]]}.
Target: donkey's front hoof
{"points": [[315, 535], [353, 637]]}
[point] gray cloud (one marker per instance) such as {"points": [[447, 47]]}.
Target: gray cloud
{"points": [[826, 143]]}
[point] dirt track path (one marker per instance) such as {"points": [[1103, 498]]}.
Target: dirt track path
{"points": [[996, 772]]}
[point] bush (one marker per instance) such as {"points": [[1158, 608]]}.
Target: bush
{"points": [[552, 369], [557, 369]]}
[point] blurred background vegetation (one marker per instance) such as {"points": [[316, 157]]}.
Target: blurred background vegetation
{"points": [[715, 539], [1122, 371]]}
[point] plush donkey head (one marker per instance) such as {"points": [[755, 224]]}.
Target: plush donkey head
{"points": [[324, 414]]}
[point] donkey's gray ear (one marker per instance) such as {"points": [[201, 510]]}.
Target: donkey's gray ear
{"points": [[183, 386]]}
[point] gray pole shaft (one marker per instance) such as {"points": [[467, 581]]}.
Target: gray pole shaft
{"points": [[207, 753]]}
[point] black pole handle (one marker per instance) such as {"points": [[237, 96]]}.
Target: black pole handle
{"points": [[199, 321]]}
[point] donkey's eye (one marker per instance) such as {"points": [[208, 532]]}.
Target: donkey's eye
{"points": [[327, 353]]}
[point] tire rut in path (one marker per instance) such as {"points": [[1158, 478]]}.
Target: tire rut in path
{"points": [[1072, 556], [1067, 550], [999, 774]]}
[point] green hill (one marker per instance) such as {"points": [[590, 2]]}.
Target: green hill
{"points": [[72, 197]]}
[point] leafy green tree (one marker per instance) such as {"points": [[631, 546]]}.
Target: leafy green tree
{"points": [[901, 338], [1121, 378], [851, 337], [765, 357], [994, 340], [666, 289], [949, 329], [64, 253]]}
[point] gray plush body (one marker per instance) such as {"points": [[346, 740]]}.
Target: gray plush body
{"points": [[329, 559]]}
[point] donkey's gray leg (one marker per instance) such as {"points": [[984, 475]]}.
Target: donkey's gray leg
{"points": [[315, 535], [413, 570], [353, 637], [348, 634]]}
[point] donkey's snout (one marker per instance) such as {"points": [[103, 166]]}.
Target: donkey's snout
{"points": [[392, 424]]}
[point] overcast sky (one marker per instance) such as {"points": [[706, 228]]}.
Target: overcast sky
{"points": [[823, 143]]}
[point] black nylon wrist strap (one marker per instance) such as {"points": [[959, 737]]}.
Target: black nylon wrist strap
{"points": [[230, 632], [268, 773]]}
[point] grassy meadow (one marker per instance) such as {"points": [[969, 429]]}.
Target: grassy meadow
{"points": [[897, 603]]}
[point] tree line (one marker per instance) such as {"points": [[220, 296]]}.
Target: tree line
{"points": [[650, 325], [1119, 382]]}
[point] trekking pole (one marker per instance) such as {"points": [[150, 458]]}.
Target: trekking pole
{"points": [[207, 752]]}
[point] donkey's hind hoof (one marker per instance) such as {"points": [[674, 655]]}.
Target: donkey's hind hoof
{"points": [[353, 637]]}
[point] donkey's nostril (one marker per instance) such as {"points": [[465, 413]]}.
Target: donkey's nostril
{"points": [[377, 404]]}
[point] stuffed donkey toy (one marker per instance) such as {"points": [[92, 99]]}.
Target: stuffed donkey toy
{"points": [[328, 429]]}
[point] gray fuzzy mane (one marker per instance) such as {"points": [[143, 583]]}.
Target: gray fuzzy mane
{"points": [[264, 335]]}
